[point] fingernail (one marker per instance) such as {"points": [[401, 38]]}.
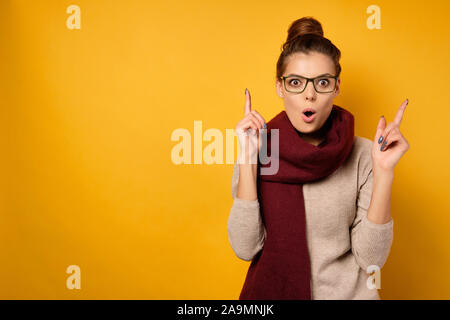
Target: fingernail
{"points": [[245, 90], [383, 145], [265, 125], [380, 139], [407, 101]]}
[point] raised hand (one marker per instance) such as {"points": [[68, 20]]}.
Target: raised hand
{"points": [[248, 130], [389, 145]]}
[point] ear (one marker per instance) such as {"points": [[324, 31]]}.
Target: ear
{"points": [[338, 87], [279, 88]]}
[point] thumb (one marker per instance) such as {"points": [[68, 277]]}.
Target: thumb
{"points": [[248, 102], [380, 128]]}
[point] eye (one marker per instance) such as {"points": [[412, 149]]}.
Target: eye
{"points": [[324, 83], [295, 82]]}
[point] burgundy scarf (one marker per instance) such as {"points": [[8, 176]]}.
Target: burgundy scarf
{"points": [[281, 270]]}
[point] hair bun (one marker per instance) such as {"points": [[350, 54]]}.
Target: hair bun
{"points": [[302, 26]]}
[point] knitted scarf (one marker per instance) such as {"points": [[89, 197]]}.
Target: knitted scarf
{"points": [[281, 270]]}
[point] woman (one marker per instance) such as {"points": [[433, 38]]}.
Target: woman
{"points": [[321, 224]]}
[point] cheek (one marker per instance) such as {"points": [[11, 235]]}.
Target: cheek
{"points": [[291, 104], [328, 100], [324, 115], [290, 99]]}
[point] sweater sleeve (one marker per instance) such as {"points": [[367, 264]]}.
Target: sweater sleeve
{"points": [[371, 242], [246, 231]]}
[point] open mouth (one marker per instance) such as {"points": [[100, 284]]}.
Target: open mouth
{"points": [[308, 115]]}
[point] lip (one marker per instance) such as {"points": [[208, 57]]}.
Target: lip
{"points": [[310, 118], [309, 109]]}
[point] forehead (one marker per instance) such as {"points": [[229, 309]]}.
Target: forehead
{"points": [[309, 65]]}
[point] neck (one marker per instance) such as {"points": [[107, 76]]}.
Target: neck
{"points": [[315, 138], [310, 138]]}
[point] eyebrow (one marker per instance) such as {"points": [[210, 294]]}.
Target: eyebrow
{"points": [[296, 75]]}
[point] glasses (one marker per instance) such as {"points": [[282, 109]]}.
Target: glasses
{"points": [[297, 84]]}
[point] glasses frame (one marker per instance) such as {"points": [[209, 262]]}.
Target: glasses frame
{"points": [[307, 81]]}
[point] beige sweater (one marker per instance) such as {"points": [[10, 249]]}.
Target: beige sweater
{"points": [[342, 242]]}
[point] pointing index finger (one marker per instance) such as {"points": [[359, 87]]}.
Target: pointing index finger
{"points": [[401, 110], [248, 102]]}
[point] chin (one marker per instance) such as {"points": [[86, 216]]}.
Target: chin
{"points": [[306, 129]]}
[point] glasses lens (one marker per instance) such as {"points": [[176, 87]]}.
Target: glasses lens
{"points": [[294, 84], [325, 84]]}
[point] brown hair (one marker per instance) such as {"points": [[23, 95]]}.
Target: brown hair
{"points": [[306, 35]]}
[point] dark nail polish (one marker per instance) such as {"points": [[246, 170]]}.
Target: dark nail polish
{"points": [[407, 101], [383, 145], [380, 139], [245, 90]]}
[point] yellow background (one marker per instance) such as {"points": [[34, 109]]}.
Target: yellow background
{"points": [[87, 116]]}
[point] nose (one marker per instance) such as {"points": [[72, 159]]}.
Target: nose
{"points": [[310, 92]]}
